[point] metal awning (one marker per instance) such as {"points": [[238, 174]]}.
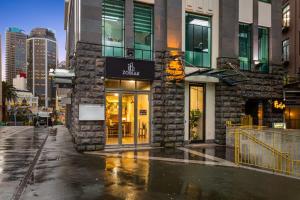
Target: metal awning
{"points": [[231, 76]]}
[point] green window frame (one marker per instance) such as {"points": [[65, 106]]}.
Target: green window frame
{"points": [[143, 31], [245, 46], [263, 48], [286, 50], [198, 40], [113, 28], [266, 1]]}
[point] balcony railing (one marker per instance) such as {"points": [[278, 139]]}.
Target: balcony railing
{"points": [[115, 51]]}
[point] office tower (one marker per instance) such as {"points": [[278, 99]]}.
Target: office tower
{"points": [[0, 79], [41, 57], [15, 53]]}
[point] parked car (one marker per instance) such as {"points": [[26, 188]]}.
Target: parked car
{"points": [[43, 119]]}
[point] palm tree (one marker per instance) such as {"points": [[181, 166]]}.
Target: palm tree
{"points": [[8, 94]]}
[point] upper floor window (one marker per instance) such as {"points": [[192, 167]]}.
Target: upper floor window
{"points": [[113, 28], [198, 40], [245, 46], [263, 48], [286, 50], [143, 31], [286, 14]]}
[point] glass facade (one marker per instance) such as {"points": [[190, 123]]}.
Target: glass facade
{"points": [[113, 28], [198, 40], [143, 31], [263, 48], [245, 46]]}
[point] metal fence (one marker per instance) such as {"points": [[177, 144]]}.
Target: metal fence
{"points": [[265, 148]]}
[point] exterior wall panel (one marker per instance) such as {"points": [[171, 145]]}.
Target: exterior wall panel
{"points": [[265, 14], [246, 11]]}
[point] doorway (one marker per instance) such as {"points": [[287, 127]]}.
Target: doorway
{"points": [[197, 113], [255, 109], [127, 118]]}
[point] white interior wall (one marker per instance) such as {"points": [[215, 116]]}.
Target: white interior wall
{"points": [[146, 1], [209, 112]]}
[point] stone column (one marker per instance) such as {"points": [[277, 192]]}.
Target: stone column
{"points": [[167, 106], [88, 89]]}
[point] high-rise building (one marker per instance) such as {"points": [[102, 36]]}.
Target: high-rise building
{"points": [[0, 79], [15, 53], [41, 57], [291, 61], [170, 72]]}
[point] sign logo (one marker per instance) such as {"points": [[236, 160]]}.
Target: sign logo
{"points": [[131, 70], [279, 105]]}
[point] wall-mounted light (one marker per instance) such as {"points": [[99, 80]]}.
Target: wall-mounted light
{"points": [[256, 62]]}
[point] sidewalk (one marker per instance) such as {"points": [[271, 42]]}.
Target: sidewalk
{"points": [[62, 173], [18, 147]]}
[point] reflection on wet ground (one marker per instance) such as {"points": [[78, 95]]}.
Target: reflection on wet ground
{"points": [[163, 153], [61, 173], [223, 152], [18, 146]]}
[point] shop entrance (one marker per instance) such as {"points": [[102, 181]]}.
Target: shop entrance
{"points": [[197, 113], [255, 109], [127, 118]]}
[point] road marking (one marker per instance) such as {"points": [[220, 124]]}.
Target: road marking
{"points": [[186, 161], [139, 157], [206, 156]]}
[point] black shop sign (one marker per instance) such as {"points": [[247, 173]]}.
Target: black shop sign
{"points": [[123, 68]]}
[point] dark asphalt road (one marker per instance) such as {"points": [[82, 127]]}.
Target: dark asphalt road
{"points": [[63, 174]]}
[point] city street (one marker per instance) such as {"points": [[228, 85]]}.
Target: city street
{"points": [[62, 173]]}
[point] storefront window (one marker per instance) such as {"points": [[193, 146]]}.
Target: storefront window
{"points": [[263, 48], [292, 117], [143, 31], [245, 47], [198, 40], [128, 85], [113, 28]]}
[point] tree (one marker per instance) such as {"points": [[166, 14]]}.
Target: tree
{"points": [[8, 94]]}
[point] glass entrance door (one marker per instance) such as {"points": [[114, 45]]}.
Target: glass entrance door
{"points": [[197, 115], [127, 119]]}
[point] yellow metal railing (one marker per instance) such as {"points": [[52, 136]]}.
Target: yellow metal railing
{"points": [[259, 147]]}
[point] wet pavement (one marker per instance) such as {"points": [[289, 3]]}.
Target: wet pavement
{"points": [[18, 147], [62, 173]]}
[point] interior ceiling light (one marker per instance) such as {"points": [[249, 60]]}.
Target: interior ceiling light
{"points": [[199, 22]]}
